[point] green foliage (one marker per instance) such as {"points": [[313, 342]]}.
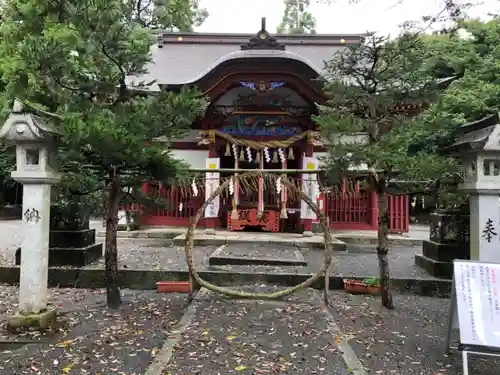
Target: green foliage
{"points": [[474, 94], [296, 18], [367, 85], [76, 59], [372, 281]]}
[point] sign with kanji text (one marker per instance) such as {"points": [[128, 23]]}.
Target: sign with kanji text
{"points": [[309, 187], [485, 228], [477, 291], [212, 181]]}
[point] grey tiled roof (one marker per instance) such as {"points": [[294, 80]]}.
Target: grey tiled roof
{"points": [[185, 58]]}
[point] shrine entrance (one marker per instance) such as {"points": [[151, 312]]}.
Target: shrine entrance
{"points": [[258, 206]]}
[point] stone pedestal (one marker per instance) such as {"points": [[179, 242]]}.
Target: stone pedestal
{"points": [[448, 240], [34, 267], [75, 248], [71, 242]]}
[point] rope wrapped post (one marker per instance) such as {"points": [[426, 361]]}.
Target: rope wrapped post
{"points": [[323, 271]]}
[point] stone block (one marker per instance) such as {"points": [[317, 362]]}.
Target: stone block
{"points": [[435, 268], [71, 238], [42, 321], [76, 257], [449, 240], [445, 252], [449, 227]]}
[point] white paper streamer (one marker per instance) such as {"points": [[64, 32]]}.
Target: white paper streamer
{"points": [[194, 188], [231, 186], [281, 155], [266, 155], [249, 154]]}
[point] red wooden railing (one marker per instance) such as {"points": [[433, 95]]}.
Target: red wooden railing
{"points": [[180, 205], [399, 213], [349, 210], [346, 210]]}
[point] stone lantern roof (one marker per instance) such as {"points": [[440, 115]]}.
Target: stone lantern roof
{"points": [[476, 136], [25, 125]]}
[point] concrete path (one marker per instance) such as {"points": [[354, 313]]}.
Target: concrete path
{"points": [[340, 238], [295, 336]]}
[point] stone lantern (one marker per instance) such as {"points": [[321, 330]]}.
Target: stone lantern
{"points": [[478, 144], [36, 170]]}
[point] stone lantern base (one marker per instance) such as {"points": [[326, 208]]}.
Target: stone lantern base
{"points": [[71, 247], [449, 240]]}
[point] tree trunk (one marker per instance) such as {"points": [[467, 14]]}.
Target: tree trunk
{"points": [[111, 249], [383, 244]]}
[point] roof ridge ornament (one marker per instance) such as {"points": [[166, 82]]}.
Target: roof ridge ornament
{"points": [[263, 41]]}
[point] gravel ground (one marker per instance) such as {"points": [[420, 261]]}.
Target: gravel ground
{"points": [[359, 261], [409, 340], [258, 337], [260, 251], [154, 255], [93, 340], [161, 255]]}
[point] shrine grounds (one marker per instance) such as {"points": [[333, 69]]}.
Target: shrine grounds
{"points": [[163, 334]]}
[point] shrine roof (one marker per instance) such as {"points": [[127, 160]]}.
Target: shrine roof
{"points": [[184, 58]]}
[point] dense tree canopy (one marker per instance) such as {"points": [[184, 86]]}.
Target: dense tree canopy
{"points": [[77, 59], [369, 85], [296, 18]]}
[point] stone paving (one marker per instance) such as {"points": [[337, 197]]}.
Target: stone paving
{"points": [[160, 254], [224, 336]]}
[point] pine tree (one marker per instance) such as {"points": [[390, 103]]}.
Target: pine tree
{"points": [[296, 18], [369, 86], [75, 59]]}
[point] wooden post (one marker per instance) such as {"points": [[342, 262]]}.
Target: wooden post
{"points": [[210, 223], [307, 223]]}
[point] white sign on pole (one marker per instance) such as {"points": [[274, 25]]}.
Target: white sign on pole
{"points": [[309, 187], [212, 180], [477, 287], [475, 308]]}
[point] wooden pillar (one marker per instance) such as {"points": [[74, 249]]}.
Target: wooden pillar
{"points": [[307, 223], [374, 209], [211, 222]]}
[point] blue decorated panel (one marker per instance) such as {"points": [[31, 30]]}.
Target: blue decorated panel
{"points": [[260, 125]]}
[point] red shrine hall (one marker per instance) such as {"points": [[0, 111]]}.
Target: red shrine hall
{"points": [[263, 90]]}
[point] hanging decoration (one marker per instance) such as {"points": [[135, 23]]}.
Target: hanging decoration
{"points": [[228, 150], [267, 157], [231, 186], [194, 188], [242, 155], [259, 145], [290, 154], [249, 154], [283, 196], [281, 154], [278, 185], [275, 157], [257, 157], [181, 207], [235, 150]]}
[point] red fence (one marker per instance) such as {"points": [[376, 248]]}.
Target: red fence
{"points": [[346, 210], [399, 213]]}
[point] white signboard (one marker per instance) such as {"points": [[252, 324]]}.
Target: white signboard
{"points": [[484, 228], [477, 288], [309, 187], [212, 180]]}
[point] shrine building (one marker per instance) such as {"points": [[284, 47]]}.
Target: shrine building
{"points": [[263, 90]]}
